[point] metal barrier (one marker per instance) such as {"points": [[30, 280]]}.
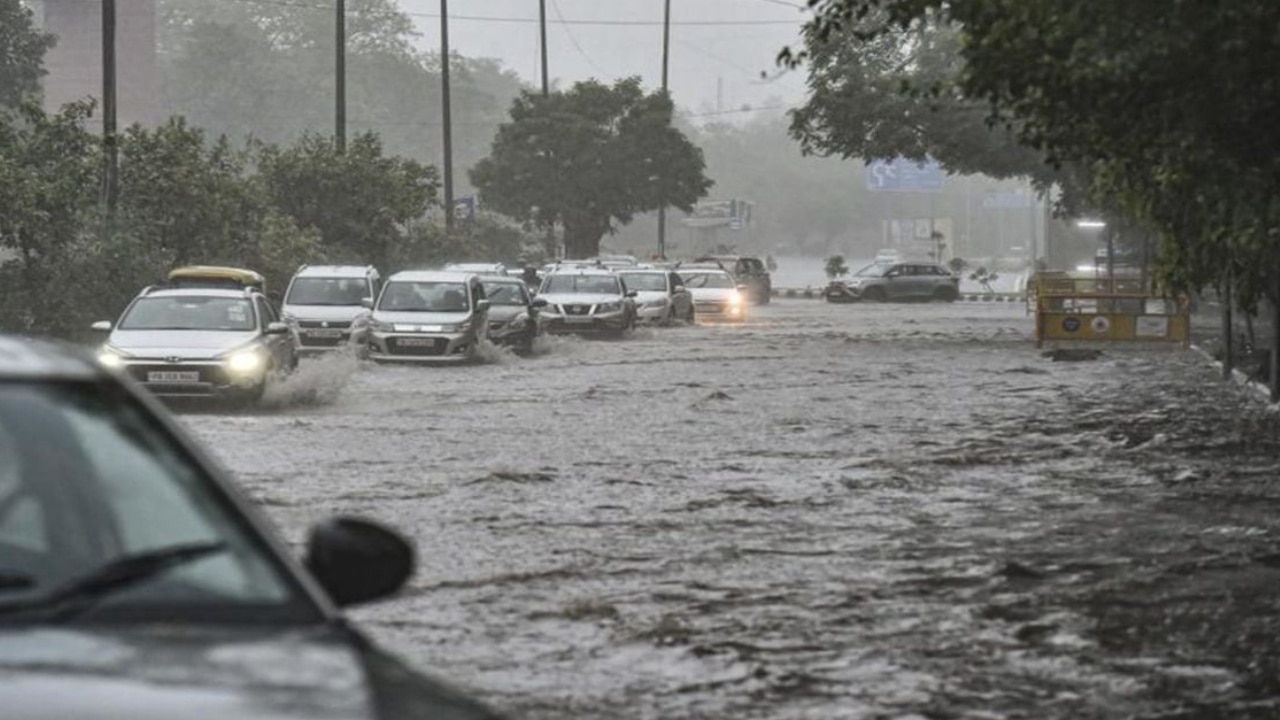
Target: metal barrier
{"points": [[1111, 317]]}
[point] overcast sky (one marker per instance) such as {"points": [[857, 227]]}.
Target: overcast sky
{"points": [[728, 40]]}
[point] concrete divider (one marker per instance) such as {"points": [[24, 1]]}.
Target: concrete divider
{"points": [[817, 294]]}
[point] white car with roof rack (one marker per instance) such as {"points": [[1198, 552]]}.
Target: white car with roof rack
{"points": [[326, 305], [425, 316]]}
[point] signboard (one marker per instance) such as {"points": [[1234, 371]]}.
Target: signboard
{"points": [[464, 208], [734, 214], [1007, 200], [902, 175]]}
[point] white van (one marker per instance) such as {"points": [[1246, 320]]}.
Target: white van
{"points": [[327, 304]]}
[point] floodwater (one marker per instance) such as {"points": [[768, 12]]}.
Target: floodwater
{"points": [[831, 512]]}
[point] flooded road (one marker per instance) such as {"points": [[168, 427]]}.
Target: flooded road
{"points": [[835, 511]]}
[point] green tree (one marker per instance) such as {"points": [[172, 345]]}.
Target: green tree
{"points": [[836, 267], [589, 158], [360, 202], [22, 49]]}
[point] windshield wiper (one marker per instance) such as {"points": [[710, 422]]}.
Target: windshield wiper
{"points": [[122, 573]]}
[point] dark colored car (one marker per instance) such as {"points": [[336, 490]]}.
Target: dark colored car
{"points": [[136, 582], [749, 271]]}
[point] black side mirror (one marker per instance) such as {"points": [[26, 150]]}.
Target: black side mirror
{"points": [[357, 561], [631, 293], [538, 303]]}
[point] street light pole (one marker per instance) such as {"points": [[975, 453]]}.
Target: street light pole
{"points": [[542, 33], [111, 159], [447, 114], [666, 60], [340, 77]]}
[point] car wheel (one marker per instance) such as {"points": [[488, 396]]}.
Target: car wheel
{"points": [[946, 294], [874, 294]]}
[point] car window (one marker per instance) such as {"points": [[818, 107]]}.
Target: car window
{"points": [[265, 311], [190, 312], [505, 293], [646, 282], [411, 296], [708, 280], [327, 291], [116, 485]]}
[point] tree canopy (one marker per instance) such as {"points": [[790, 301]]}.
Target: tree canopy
{"points": [[589, 158], [22, 49]]}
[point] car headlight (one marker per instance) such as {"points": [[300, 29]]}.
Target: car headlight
{"points": [[735, 298], [604, 308], [456, 327], [383, 327], [110, 358], [245, 361]]}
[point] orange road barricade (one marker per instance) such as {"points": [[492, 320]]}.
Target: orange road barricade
{"points": [[1101, 310]]}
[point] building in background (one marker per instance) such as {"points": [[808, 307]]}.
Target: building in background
{"points": [[74, 65]]}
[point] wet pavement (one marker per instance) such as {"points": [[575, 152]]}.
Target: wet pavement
{"points": [[835, 511]]}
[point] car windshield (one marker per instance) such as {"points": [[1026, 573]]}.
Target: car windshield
{"points": [[582, 284], [874, 270], [194, 312], [414, 296], [116, 485], [327, 291], [505, 293], [646, 282], [707, 280]]}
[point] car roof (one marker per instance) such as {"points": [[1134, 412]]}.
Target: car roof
{"points": [[431, 276], [640, 271], [507, 279], [584, 270], [336, 271], [29, 359]]}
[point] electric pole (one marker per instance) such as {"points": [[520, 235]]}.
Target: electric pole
{"points": [[340, 76], [542, 30], [446, 111], [111, 160], [666, 57]]}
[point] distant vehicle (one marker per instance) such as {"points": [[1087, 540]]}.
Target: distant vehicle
{"points": [[616, 261], [587, 300], [216, 277], [195, 342], [137, 581], [716, 294], [326, 305], [749, 271], [424, 316], [661, 296], [515, 319], [882, 282], [478, 268]]}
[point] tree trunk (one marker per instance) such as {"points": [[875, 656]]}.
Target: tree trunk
{"points": [[581, 239]]}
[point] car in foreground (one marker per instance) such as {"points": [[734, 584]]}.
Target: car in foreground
{"points": [[717, 296], [325, 304], [200, 343], [661, 297], [426, 316], [587, 300], [515, 319], [885, 282], [137, 582], [749, 271]]}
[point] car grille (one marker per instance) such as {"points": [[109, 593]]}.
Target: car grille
{"points": [[577, 309], [325, 324], [326, 342], [434, 350], [713, 308]]}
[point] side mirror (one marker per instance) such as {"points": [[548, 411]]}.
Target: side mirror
{"points": [[357, 561], [631, 293], [102, 326], [366, 303], [482, 305], [678, 289], [277, 328], [538, 303]]}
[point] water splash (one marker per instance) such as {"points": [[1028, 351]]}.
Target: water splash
{"points": [[316, 381]]}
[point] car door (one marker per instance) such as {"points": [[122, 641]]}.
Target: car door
{"points": [[280, 346], [897, 285]]}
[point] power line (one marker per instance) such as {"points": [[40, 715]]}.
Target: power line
{"points": [[784, 3], [560, 18]]}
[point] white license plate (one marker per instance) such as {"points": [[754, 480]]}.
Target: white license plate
{"points": [[416, 342], [324, 333], [173, 377], [577, 319]]}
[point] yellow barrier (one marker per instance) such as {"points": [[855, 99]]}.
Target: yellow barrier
{"points": [[1111, 317]]}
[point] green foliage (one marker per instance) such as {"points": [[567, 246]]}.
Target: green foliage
{"points": [[588, 158], [836, 267], [22, 49]]}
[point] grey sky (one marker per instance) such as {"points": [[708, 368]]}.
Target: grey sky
{"points": [[710, 39]]}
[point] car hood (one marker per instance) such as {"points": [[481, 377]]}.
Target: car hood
{"points": [[48, 674], [712, 293], [421, 318], [185, 344], [579, 298], [330, 313], [505, 313]]}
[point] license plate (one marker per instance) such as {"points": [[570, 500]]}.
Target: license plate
{"points": [[416, 342], [173, 377], [577, 320], [324, 333]]}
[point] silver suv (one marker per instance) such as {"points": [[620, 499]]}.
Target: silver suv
{"points": [[885, 281], [587, 300], [198, 342], [428, 316], [326, 305]]}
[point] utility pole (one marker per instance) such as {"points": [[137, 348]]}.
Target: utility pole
{"points": [[111, 160], [340, 77], [666, 58], [446, 111], [542, 32]]}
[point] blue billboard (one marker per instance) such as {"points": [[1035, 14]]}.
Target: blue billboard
{"points": [[902, 175]]}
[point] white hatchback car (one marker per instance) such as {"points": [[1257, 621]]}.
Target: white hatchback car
{"points": [[716, 294], [428, 316], [325, 304], [661, 296]]}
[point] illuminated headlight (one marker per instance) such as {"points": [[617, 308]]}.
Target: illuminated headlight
{"points": [[605, 308], [109, 358], [735, 298], [245, 361]]}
